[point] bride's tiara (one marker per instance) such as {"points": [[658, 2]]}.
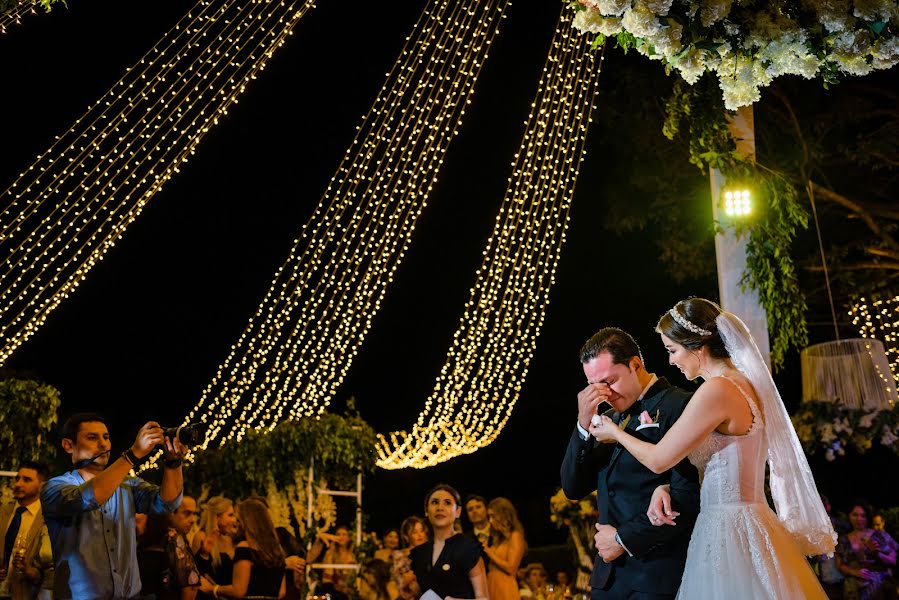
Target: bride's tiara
{"points": [[683, 322]]}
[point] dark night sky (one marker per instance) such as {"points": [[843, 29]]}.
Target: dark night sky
{"points": [[143, 334]]}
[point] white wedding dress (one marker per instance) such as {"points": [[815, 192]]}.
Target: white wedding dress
{"points": [[739, 548]]}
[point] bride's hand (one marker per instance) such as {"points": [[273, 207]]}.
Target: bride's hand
{"points": [[604, 430], [660, 512]]}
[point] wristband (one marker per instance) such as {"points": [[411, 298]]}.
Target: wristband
{"points": [[172, 463], [132, 459]]}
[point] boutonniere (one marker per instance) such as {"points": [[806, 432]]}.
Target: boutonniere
{"points": [[646, 421]]}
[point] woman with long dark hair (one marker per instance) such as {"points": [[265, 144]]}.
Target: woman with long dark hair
{"points": [[865, 557]]}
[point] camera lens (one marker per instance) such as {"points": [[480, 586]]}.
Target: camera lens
{"points": [[189, 435]]}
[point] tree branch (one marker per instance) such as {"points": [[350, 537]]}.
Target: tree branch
{"points": [[858, 209], [860, 266], [874, 250]]}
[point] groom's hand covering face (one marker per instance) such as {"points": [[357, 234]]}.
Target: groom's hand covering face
{"points": [[589, 399], [617, 384]]}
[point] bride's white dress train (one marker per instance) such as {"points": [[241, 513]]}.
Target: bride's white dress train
{"points": [[739, 548]]}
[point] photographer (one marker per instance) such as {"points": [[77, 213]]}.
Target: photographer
{"points": [[90, 510]]}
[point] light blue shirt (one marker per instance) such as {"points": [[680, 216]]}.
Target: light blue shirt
{"points": [[94, 545]]}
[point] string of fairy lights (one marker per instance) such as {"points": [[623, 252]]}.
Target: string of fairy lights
{"points": [[15, 14], [878, 318], [298, 346], [75, 202], [487, 364]]}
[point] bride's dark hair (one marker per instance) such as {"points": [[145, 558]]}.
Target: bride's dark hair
{"points": [[700, 313]]}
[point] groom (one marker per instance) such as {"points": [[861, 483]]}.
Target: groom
{"points": [[636, 559]]}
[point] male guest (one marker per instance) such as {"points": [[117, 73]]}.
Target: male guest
{"points": [[90, 510], [636, 559], [476, 510], [27, 563]]}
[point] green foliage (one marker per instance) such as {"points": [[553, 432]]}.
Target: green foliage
{"points": [[27, 414], [692, 113], [340, 447], [770, 269], [697, 113], [8, 5]]}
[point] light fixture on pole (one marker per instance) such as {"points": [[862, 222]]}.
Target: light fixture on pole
{"points": [[736, 203]]}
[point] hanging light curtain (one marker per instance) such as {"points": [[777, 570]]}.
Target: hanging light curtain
{"points": [[854, 373]]}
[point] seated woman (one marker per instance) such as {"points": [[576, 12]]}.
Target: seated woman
{"points": [[450, 564], [258, 560], [865, 556], [535, 582]]}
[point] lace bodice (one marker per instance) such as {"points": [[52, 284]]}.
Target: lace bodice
{"points": [[732, 467]]}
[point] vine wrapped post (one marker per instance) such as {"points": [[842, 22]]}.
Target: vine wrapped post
{"points": [[730, 243]]}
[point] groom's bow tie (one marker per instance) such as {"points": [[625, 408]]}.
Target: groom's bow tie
{"points": [[633, 410]]}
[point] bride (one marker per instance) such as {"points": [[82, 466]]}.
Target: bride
{"points": [[733, 424]]}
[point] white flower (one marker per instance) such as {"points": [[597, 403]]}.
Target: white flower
{"points": [[613, 8], [761, 42], [712, 11], [842, 424], [740, 78], [593, 22], [659, 7], [690, 65], [868, 420], [641, 21], [827, 433], [888, 438], [873, 10], [788, 55], [666, 41], [278, 506], [834, 14], [885, 53]]}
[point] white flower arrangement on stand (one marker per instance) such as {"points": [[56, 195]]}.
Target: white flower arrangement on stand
{"points": [[748, 43]]}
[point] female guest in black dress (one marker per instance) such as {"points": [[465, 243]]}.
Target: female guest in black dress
{"points": [[450, 564], [258, 559], [213, 544]]}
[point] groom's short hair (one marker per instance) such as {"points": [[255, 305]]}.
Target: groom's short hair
{"points": [[620, 345]]}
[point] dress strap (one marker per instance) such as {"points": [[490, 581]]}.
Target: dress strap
{"points": [[753, 407]]}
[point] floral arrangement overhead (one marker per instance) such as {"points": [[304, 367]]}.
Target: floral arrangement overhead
{"points": [[831, 428], [747, 43]]}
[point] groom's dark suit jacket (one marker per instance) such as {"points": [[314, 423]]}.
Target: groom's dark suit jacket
{"points": [[624, 489]]}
